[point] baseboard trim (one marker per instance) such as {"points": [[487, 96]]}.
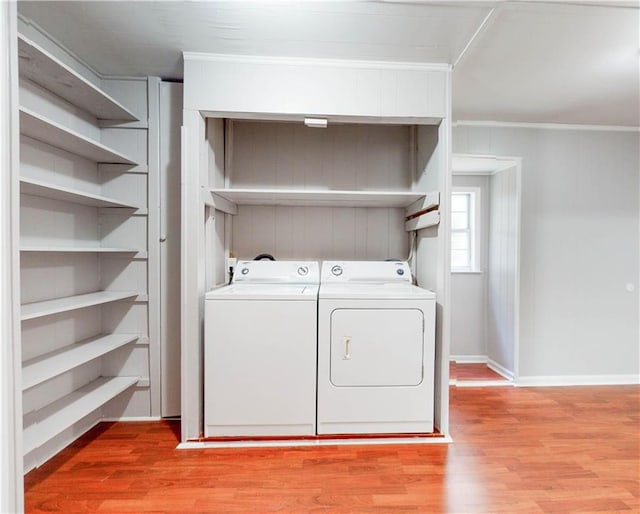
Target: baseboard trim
{"points": [[499, 369], [200, 445], [578, 380], [125, 419], [469, 359], [483, 383]]}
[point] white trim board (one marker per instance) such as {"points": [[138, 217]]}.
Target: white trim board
{"points": [[577, 380], [309, 61], [203, 445], [499, 369], [544, 126], [468, 359]]}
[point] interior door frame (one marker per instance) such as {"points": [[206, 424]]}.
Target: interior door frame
{"points": [[487, 165]]}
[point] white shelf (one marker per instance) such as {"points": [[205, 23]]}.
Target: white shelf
{"points": [[70, 303], [140, 254], [45, 367], [321, 198], [52, 74], [65, 194], [43, 129], [63, 413]]}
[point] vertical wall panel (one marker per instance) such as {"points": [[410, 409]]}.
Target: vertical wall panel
{"points": [[579, 248], [501, 280]]}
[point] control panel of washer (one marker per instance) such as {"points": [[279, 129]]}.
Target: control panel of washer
{"points": [[277, 272], [365, 271]]}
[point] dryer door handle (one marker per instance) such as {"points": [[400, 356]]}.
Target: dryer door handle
{"points": [[347, 348]]}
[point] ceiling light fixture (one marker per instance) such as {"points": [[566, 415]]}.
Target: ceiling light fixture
{"points": [[316, 122]]}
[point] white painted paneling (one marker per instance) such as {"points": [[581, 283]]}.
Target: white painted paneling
{"points": [[340, 157], [130, 92], [43, 162], [45, 335], [319, 233], [123, 274], [40, 396], [133, 403], [219, 83], [130, 360], [38, 99], [130, 142], [468, 314], [51, 222], [48, 276], [129, 188], [502, 269], [579, 247], [170, 121], [126, 317], [194, 174], [220, 141], [122, 230]]}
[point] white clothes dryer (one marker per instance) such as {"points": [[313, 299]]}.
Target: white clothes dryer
{"points": [[260, 351], [376, 333]]}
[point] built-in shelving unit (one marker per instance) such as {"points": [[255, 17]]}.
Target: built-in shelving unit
{"points": [[319, 198], [44, 424], [48, 71], [45, 367], [43, 129], [65, 194], [93, 237], [83, 249], [70, 303]]}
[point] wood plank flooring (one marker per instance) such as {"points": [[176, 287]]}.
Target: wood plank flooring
{"points": [[472, 372], [516, 450]]}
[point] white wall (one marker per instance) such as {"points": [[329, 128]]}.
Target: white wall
{"points": [[293, 87], [579, 249], [468, 290], [501, 277]]}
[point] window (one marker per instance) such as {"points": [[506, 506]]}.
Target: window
{"points": [[464, 229]]}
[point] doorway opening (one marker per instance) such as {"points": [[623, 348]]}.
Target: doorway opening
{"points": [[485, 270]]}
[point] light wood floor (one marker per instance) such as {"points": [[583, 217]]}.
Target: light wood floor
{"points": [[516, 450]]}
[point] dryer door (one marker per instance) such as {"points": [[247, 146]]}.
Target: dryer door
{"points": [[376, 347]]}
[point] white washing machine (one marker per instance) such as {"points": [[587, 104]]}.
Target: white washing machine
{"points": [[260, 351], [376, 333]]}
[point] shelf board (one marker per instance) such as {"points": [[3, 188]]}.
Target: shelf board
{"points": [[318, 198], [43, 129], [140, 254], [45, 367], [48, 71], [429, 219], [63, 413], [70, 303], [66, 194]]}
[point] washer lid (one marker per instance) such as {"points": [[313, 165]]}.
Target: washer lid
{"points": [[264, 292], [394, 291]]}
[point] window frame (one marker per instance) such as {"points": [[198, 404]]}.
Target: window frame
{"points": [[475, 229]]}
